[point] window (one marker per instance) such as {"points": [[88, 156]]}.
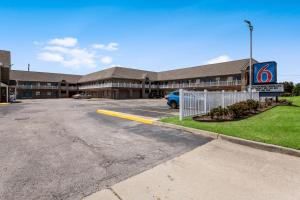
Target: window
{"points": [[48, 84], [37, 93], [48, 93]]}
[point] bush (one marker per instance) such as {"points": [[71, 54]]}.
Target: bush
{"points": [[286, 94], [268, 102], [218, 112], [285, 102], [238, 109], [252, 104]]}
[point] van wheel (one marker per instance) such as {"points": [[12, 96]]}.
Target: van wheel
{"points": [[173, 105]]}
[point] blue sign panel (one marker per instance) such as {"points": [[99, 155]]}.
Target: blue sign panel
{"points": [[264, 73]]}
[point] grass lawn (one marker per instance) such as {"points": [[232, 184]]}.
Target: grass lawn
{"points": [[279, 125]]}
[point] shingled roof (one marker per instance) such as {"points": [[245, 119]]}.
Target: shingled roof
{"points": [[218, 69], [119, 72], [42, 76]]}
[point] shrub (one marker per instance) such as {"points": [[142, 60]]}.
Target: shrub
{"points": [[238, 109], [252, 104], [268, 102], [285, 102], [286, 94], [218, 112]]}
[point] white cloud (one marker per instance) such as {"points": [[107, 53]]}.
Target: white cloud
{"points": [[106, 60], [50, 57], [219, 59], [65, 42], [113, 46], [66, 52]]}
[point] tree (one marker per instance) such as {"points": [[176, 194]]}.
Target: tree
{"points": [[288, 87], [296, 90]]}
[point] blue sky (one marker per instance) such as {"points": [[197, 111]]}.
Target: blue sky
{"points": [[52, 35]]}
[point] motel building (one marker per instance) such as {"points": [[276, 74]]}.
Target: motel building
{"points": [[121, 82]]}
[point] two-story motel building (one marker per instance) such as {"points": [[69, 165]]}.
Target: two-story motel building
{"points": [[123, 83]]}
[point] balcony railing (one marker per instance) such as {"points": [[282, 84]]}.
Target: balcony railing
{"points": [[46, 87], [168, 86], [202, 84], [37, 87], [111, 85]]}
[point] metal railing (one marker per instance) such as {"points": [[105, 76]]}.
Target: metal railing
{"points": [[168, 86], [110, 85], [46, 87], [37, 87], [194, 103], [201, 84]]}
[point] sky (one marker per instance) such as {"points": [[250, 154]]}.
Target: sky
{"points": [[80, 36]]}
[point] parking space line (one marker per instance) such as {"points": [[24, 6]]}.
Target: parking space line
{"points": [[126, 116]]}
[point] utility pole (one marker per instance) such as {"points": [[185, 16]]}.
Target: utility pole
{"points": [[250, 62], [1, 65]]}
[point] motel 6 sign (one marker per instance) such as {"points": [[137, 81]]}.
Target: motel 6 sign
{"points": [[265, 73]]}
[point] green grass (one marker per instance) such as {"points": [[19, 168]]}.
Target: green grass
{"points": [[279, 125]]}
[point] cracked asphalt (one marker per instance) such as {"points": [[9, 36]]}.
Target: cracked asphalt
{"points": [[61, 149]]}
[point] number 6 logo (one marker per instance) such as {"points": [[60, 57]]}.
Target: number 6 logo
{"points": [[264, 71]]}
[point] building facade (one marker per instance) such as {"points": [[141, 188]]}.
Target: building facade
{"points": [[5, 65], [43, 85], [124, 83]]}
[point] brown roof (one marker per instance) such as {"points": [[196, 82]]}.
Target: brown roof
{"points": [[119, 72], [218, 69], [42, 76]]}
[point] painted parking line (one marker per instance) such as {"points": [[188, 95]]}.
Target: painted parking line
{"points": [[126, 116]]}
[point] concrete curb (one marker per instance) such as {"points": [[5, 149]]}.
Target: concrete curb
{"points": [[249, 143]]}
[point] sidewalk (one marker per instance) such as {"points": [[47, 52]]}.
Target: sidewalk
{"points": [[217, 170]]}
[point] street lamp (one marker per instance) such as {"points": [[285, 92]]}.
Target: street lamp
{"points": [[1, 65], [250, 63]]}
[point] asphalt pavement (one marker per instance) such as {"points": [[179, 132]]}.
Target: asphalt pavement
{"points": [[63, 149]]}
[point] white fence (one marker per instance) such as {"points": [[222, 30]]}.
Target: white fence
{"points": [[194, 103]]}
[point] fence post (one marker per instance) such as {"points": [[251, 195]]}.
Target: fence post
{"points": [[181, 104], [205, 101], [223, 99], [234, 99]]}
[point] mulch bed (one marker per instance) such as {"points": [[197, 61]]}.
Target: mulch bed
{"points": [[206, 118]]}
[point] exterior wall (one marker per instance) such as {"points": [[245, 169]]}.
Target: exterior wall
{"points": [[4, 75], [36, 94], [41, 90], [6, 62]]}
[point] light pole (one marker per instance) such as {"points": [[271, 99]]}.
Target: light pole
{"points": [[250, 63], [1, 65]]}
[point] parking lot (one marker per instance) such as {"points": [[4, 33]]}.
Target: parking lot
{"points": [[63, 149]]}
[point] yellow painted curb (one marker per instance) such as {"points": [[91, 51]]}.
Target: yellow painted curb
{"points": [[125, 116], [4, 104]]}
